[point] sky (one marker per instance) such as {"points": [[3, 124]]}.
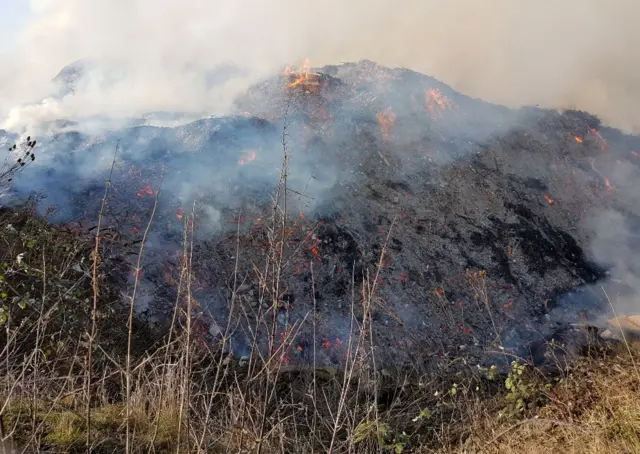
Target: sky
{"points": [[556, 53], [13, 17]]}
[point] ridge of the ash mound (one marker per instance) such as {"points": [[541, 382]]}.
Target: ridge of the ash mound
{"points": [[469, 221]]}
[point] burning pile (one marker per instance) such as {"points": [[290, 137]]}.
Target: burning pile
{"points": [[469, 220]]}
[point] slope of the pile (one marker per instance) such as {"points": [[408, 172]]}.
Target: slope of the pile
{"points": [[485, 214]]}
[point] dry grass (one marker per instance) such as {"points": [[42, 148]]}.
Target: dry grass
{"points": [[64, 322], [595, 409]]}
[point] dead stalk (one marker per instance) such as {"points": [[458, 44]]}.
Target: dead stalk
{"points": [[94, 310], [186, 377], [130, 323], [624, 337]]}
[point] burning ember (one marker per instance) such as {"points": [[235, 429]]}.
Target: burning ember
{"points": [[578, 139], [436, 102], [601, 140], [386, 120], [605, 179], [144, 191], [548, 199]]}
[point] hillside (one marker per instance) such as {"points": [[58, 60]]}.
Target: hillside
{"points": [[350, 217]]}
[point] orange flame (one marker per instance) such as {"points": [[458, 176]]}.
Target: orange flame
{"points": [[247, 157], [180, 212], [548, 199], [436, 102], [578, 139], [386, 120], [303, 77]]}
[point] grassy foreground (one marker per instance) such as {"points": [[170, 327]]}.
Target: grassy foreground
{"points": [[79, 372]]}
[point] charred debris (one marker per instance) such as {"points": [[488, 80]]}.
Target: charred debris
{"points": [[472, 219]]}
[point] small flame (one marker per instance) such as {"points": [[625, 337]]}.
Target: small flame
{"points": [[315, 251], [179, 213], [386, 120], [548, 199], [437, 102], [247, 158], [303, 77], [578, 139]]}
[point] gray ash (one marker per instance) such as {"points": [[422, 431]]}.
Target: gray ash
{"points": [[379, 159]]}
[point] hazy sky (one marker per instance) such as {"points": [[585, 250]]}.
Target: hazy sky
{"points": [[13, 16]]}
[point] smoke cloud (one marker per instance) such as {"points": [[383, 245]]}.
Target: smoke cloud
{"points": [[574, 53]]}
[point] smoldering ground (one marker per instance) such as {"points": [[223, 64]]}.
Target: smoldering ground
{"points": [[376, 156], [341, 160]]}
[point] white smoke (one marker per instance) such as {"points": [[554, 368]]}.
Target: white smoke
{"points": [[572, 53]]}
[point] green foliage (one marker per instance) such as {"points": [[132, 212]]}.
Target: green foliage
{"points": [[382, 434], [519, 390]]}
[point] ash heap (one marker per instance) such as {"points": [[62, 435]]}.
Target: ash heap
{"points": [[466, 227]]}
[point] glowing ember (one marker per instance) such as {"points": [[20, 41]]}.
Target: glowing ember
{"points": [[607, 183], [315, 251], [578, 139], [146, 190], [247, 158], [386, 120], [436, 102], [601, 140], [179, 212], [548, 199]]}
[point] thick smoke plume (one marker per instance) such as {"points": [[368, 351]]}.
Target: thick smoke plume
{"points": [[572, 53]]}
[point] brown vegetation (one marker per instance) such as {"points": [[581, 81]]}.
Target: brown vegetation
{"points": [[82, 373]]}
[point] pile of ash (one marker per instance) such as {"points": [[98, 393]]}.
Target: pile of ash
{"points": [[464, 218]]}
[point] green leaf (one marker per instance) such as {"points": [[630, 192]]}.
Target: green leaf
{"points": [[508, 383]]}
